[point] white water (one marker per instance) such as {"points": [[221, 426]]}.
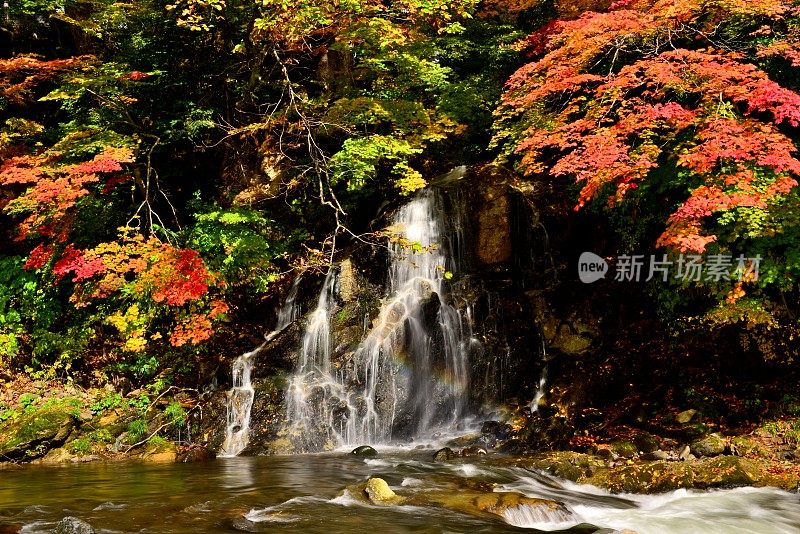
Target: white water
{"points": [[239, 401], [735, 511], [410, 372]]}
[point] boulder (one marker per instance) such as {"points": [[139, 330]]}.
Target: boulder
{"points": [[711, 445], [442, 455], [685, 416], [33, 434], [73, 525], [364, 450], [379, 492]]}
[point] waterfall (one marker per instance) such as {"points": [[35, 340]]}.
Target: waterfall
{"points": [[239, 399], [409, 375]]}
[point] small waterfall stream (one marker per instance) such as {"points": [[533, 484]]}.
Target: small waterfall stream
{"points": [[409, 375], [239, 400]]}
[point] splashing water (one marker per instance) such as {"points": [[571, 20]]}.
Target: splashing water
{"points": [[409, 375], [239, 401]]}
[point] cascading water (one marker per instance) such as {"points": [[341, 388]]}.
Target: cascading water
{"points": [[239, 401], [409, 376]]}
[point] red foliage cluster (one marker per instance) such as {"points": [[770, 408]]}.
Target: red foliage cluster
{"points": [[702, 110], [55, 189], [21, 74]]}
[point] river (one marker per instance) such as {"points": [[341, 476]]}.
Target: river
{"points": [[306, 494]]}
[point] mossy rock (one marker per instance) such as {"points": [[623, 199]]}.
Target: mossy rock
{"points": [[489, 503], [624, 449], [747, 446], [566, 464], [654, 477], [726, 471], [711, 445], [379, 492], [33, 434]]}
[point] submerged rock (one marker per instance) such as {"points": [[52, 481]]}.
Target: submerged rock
{"points": [[379, 492], [73, 525], [364, 450], [442, 455], [195, 453]]}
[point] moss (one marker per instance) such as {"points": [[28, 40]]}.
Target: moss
{"points": [[33, 429]]}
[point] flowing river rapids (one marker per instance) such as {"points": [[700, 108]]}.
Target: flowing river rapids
{"points": [[308, 493]]}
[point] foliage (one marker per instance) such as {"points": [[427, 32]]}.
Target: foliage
{"points": [[175, 414], [658, 108]]}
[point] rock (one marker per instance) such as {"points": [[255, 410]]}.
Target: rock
{"points": [[497, 430], [195, 453], [243, 525], [711, 445], [442, 455], [685, 417], [73, 525], [364, 450], [10, 528], [347, 284], [493, 243], [685, 453], [379, 492], [474, 450], [645, 442], [515, 508], [33, 434], [160, 453], [605, 452], [657, 456], [624, 449]]}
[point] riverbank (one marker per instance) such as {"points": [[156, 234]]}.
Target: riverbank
{"points": [[49, 423]]}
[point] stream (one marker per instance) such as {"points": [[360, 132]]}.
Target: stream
{"points": [[306, 493]]}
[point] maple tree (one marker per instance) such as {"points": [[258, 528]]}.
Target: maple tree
{"points": [[661, 102]]}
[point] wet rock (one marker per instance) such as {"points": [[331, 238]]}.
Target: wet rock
{"points": [[195, 453], [73, 525], [685, 416], [711, 445], [379, 492], [442, 455], [496, 429], [474, 450], [10, 528], [726, 471], [515, 508], [685, 453], [243, 525], [364, 450], [493, 244]]}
